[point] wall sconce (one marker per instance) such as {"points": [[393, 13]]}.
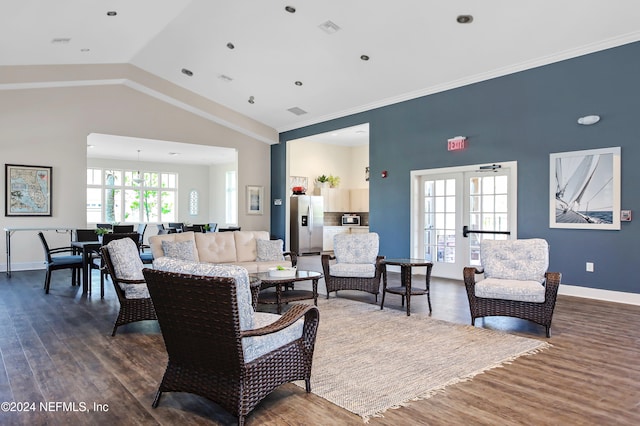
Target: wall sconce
{"points": [[588, 120], [366, 173]]}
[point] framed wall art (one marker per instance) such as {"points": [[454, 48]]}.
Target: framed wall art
{"points": [[585, 189], [255, 197], [28, 190]]}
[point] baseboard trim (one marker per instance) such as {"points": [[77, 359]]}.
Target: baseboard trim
{"points": [[600, 294]]}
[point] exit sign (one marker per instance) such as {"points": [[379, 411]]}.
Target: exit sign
{"points": [[456, 144]]}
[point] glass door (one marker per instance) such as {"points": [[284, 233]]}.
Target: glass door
{"points": [[458, 207]]}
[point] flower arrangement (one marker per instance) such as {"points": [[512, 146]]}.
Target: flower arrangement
{"points": [[334, 181]]}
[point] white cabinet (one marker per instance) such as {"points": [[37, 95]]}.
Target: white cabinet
{"points": [[335, 199], [328, 233], [359, 200]]}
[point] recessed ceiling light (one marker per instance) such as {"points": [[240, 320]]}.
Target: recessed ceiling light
{"points": [[187, 72], [112, 13], [84, 50], [174, 153], [464, 19], [231, 46], [298, 83], [364, 57], [225, 78], [252, 100], [290, 9]]}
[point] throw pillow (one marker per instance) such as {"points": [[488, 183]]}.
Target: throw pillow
{"points": [[183, 250], [269, 250]]}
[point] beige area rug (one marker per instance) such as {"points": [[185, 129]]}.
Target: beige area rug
{"points": [[368, 360]]}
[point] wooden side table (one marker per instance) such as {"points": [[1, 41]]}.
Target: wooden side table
{"points": [[406, 289]]}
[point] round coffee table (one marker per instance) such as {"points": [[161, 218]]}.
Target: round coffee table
{"points": [[284, 288]]}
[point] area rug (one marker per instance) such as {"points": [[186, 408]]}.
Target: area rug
{"points": [[368, 360]]}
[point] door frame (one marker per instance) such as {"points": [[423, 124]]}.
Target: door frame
{"points": [[416, 234]]}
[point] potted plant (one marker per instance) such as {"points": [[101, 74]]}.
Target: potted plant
{"points": [[334, 181], [323, 180], [101, 232]]}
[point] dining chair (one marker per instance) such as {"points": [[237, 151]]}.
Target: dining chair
{"points": [[106, 239], [177, 226], [54, 261], [104, 225], [122, 229], [212, 227]]}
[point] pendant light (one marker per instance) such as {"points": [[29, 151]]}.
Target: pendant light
{"points": [[139, 179]]}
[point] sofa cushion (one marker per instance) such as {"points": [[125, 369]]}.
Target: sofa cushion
{"points": [[216, 247], [269, 250], [184, 250], [135, 291], [523, 260], [125, 258], [356, 248], [245, 307], [246, 250], [256, 346], [522, 291], [156, 242]]}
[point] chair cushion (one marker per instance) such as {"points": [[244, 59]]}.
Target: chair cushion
{"points": [[269, 250], [184, 250], [356, 248], [240, 274], [256, 346], [135, 291], [361, 270], [524, 260], [521, 291], [125, 258]]}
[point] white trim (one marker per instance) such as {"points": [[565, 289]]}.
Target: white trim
{"points": [[600, 294]]}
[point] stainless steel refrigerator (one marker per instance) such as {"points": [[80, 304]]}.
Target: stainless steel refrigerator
{"points": [[307, 221]]}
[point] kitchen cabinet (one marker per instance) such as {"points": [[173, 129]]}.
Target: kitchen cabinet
{"points": [[335, 199], [359, 200]]}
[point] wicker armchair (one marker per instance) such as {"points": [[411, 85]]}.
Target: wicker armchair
{"points": [[516, 282], [122, 261], [357, 264], [224, 351]]}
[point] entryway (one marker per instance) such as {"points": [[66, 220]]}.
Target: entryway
{"points": [[453, 209]]}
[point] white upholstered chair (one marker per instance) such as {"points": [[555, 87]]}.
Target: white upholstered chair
{"points": [[516, 282]]}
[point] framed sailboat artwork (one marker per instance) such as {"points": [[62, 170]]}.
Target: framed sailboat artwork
{"points": [[584, 189]]}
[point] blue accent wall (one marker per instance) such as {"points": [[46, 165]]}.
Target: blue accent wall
{"points": [[520, 117]]}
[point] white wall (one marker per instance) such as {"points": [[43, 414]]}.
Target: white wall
{"points": [[49, 127], [312, 159]]}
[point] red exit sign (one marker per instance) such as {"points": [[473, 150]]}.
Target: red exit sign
{"points": [[456, 144]]}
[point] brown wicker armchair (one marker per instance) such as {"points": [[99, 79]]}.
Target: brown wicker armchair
{"points": [[209, 346], [358, 265], [515, 283], [135, 303]]}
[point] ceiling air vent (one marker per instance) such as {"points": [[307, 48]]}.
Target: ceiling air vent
{"points": [[61, 40], [225, 78], [297, 111], [329, 27]]}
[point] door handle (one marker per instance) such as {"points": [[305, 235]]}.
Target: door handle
{"points": [[466, 231]]}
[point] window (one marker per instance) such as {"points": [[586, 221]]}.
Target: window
{"points": [[231, 190], [131, 196]]}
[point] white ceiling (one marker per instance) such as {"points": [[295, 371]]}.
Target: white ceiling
{"points": [[416, 47], [156, 151]]}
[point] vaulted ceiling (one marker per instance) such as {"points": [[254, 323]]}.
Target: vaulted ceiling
{"points": [[287, 64]]}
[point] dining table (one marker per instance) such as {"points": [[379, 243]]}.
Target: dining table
{"points": [[87, 248]]}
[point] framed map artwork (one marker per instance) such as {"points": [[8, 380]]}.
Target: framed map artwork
{"points": [[28, 190]]}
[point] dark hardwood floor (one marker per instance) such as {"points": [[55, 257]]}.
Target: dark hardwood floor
{"points": [[57, 350]]}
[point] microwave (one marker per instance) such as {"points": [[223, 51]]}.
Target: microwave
{"points": [[350, 220]]}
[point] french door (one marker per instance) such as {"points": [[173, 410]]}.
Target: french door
{"points": [[453, 209]]}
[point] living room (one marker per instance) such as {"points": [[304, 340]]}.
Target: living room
{"points": [[522, 115]]}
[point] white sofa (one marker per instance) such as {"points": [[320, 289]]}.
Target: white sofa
{"points": [[233, 248]]}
